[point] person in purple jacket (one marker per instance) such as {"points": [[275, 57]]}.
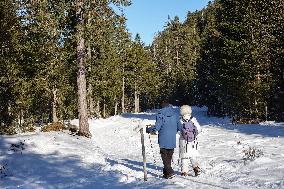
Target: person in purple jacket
{"points": [[167, 125]]}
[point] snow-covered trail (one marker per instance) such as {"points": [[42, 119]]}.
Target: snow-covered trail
{"points": [[222, 148], [112, 158]]}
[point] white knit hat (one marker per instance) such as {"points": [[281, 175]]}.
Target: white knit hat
{"points": [[185, 110]]}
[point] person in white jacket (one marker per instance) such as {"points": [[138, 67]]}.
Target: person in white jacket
{"points": [[188, 151]]}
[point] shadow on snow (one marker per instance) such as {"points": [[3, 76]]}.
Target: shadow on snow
{"points": [[149, 116], [136, 166], [249, 129], [30, 170], [225, 123]]}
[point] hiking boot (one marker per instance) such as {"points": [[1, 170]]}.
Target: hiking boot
{"points": [[196, 171], [184, 174], [170, 176]]}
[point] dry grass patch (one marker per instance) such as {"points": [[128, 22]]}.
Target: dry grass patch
{"points": [[57, 126]]}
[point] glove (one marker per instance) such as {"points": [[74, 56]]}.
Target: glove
{"points": [[148, 129]]}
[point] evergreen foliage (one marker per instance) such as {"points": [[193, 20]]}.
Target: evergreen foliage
{"points": [[230, 48], [228, 56]]}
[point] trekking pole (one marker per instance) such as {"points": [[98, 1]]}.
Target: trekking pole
{"points": [[143, 154], [152, 148], [154, 157]]}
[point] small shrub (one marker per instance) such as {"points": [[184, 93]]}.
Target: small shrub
{"points": [[243, 120], [6, 130], [252, 153], [29, 128], [57, 126]]}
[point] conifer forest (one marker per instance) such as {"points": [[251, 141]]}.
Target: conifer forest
{"points": [[61, 60]]}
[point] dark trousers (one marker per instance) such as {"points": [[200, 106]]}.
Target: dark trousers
{"points": [[167, 155]]}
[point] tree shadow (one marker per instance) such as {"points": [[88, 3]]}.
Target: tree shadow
{"points": [[149, 116], [221, 122], [256, 129], [25, 169], [136, 166], [225, 123], [249, 129]]}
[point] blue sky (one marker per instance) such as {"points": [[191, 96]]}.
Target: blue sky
{"points": [[147, 17]]}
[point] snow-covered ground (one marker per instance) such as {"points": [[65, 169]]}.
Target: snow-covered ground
{"points": [[112, 158]]}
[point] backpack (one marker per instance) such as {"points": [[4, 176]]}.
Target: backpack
{"points": [[189, 130]]}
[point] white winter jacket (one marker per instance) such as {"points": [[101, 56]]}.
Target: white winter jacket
{"points": [[189, 149]]}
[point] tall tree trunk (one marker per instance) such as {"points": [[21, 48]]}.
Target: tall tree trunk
{"points": [[138, 102], [104, 111], [54, 106], [20, 117], [136, 99], [91, 101], [115, 107], [123, 92], [98, 112], [81, 77]]}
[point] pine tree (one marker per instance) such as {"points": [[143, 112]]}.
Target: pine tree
{"points": [[274, 17], [205, 81], [81, 77], [10, 70], [98, 12], [247, 32], [167, 55], [107, 50], [140, 73]]}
